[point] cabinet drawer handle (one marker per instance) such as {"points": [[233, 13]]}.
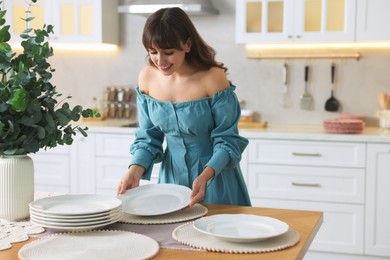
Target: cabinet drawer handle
{"points": [[307, 154], [306, 184]]}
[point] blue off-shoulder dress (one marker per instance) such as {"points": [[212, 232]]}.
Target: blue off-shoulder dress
{"points": [[198, 133]]}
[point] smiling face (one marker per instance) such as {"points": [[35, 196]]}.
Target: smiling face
{"points": [[168, 61]]}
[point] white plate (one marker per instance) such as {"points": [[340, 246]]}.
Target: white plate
{"points": [[75, 221], [80, 227], [155, 199], [75, 217], [76, 204], [241, 228]]}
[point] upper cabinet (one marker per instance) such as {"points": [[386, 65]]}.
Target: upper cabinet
{"points": [[295, 20], [373, 19], [77, 21]]}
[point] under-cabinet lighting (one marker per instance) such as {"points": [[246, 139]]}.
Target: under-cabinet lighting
{"points": [[143, 9], [318, 45], [311, 50], [76, 46]]}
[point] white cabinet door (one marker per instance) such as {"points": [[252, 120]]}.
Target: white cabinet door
{"points": [[373, 20], [342, 230], [377, 239], [76, 21], [94, 21], [295, 20], [264, 21], [327, 184], [52, 170], [16, 13], [309, 153], [324, 20]]}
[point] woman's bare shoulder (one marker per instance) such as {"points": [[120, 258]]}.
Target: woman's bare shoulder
{"points": [[216, 80], [145, 77]]}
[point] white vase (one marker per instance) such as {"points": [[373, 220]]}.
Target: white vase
{"points": [[16, 186]]}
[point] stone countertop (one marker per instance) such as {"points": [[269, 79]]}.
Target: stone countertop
{"points": [[316, 133], [272, 132]]}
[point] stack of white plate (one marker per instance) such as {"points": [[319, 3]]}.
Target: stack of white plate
{"points": [[75, 212]]}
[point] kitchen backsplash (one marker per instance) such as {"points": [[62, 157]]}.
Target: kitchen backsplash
{"points": [[84, 75]]}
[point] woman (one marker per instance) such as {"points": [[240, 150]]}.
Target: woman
{"points": [[184, 95]]}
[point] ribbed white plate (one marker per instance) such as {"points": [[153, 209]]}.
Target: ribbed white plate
{"points": [[155, 199], [96, 245], [75, 226], [241, 228], [74, 223], [77, 204], [75, 218]]}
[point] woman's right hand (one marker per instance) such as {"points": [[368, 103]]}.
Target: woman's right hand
{"points": [[130, 179]]}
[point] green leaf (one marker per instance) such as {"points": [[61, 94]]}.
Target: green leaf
{"points": [[50, 121], [21, 66], [62, 117], [82, 131], [27, 120], [5, 36], [19, 100], [3, 107], [41, 132]]}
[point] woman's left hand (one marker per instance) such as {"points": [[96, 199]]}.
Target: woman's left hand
{"points": [[199, 186]]}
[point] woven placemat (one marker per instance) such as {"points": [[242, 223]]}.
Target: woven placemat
{"points": [[97, 245], [186, 214], [188, 235]]}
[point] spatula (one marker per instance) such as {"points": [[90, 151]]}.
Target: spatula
{"points": [[332, 104], [285, 100], [306, 100]]}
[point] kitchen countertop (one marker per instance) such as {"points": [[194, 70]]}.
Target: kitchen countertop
{"points": [[316, 133], [306, 223], [273, 131]]}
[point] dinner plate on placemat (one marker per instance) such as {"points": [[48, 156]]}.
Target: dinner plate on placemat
{"points": [[155, 199], [188, 235], [97, 245], [185, 214], [241, 228]]}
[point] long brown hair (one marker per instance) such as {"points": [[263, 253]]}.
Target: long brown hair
{"points": [[168, 28]]}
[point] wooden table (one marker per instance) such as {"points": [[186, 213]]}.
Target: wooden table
{"points": [[307, 223]]}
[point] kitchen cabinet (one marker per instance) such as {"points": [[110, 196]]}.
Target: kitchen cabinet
{"points": [[66, 169], [92, 164], [52, 169], [76, 21], [377, 238], [373, 18], [295, 20], [112, 159], [323, 176]]}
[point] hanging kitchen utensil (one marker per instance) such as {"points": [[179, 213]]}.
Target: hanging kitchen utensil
{"points": [[332, 104], [285, 100], [306, 100]]}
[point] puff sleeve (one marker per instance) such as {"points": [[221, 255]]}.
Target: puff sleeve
{"points": [[228, 145], [147, 148]]}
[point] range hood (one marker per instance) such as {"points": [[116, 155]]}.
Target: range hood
{"points": [[147, 7]]}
